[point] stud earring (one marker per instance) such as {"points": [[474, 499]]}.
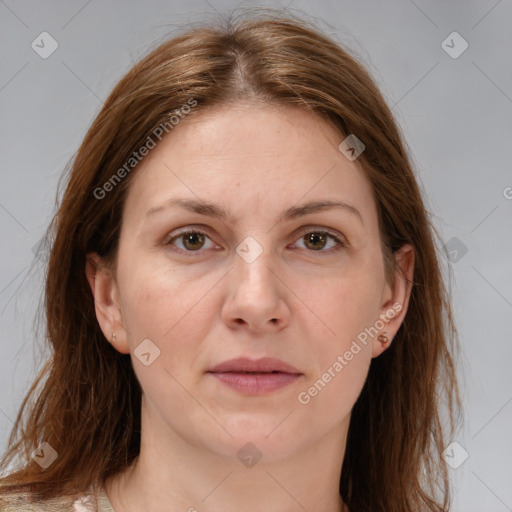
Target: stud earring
{"points": [[383, 339], [114, 337]]}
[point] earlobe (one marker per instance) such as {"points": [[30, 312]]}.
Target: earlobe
{"points": [[395, 299], [106, 302]]}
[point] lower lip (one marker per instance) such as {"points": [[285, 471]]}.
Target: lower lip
{"points": [[256, 383]]}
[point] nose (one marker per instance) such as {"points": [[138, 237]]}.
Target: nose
{"points": [[256, 300]]}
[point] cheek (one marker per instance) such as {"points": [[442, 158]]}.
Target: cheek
{"points": [[342, 356], [176, 316], [346, 306], [328, 399], [174, 312]]}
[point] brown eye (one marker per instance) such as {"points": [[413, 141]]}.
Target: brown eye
{"points": [[320, 241], [190, 241], [193, 241], [315, 241]]}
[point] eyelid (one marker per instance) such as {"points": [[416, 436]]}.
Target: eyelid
{"points": [[195, 228], [176, 234], [321, 229], [341, 241]]}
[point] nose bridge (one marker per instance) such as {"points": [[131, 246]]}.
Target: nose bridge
{"points": [[253, 271], [256, 293]]}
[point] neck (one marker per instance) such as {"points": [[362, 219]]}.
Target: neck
{"points": [[176, 474]]}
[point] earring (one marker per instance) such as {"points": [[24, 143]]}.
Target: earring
{"points": [[114, 337], [383, 339]]}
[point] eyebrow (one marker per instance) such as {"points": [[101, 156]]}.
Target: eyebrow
{"points": [[216, 211]]}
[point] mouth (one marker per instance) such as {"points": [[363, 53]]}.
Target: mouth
{"points": [[255, 377]]}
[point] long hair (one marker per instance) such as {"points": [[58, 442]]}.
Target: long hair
{"points": [[86, 402]]}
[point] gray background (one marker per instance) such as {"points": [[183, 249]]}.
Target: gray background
{"points": [[455, 113]]}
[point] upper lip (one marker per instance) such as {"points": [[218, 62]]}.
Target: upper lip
{"points": [[263, 365]]}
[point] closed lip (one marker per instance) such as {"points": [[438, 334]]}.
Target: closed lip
{"points": [[263, 365]]}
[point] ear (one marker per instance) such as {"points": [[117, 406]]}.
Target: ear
{"points": [[106, 302], [395, 299]]}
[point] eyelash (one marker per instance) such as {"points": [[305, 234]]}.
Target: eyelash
{"points": [[340, 245]]}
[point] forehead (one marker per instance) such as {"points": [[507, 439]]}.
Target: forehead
{"points": [[246, 156]]}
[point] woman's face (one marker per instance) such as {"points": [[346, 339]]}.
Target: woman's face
{"points": [[223, 255]]}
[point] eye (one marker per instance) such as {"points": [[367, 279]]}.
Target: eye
{"points": [[191, 241], [317, 239], [314, 240]]}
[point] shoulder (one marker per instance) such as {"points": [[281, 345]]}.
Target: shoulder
{"points": [[24, 502]]}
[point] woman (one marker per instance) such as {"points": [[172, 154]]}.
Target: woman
{"points": [[243, 298]]}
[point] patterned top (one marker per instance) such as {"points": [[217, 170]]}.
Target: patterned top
{"points": [[86, 503]]}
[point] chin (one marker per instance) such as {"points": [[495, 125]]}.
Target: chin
{"points": [[270, 435]]}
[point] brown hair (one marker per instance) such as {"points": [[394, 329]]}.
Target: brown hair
{"points": [[86, 401]]}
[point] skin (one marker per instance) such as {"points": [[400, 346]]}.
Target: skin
{"points": [[301, 302]]}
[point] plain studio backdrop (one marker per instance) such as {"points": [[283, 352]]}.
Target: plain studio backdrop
{"points": [[444, 68]]}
